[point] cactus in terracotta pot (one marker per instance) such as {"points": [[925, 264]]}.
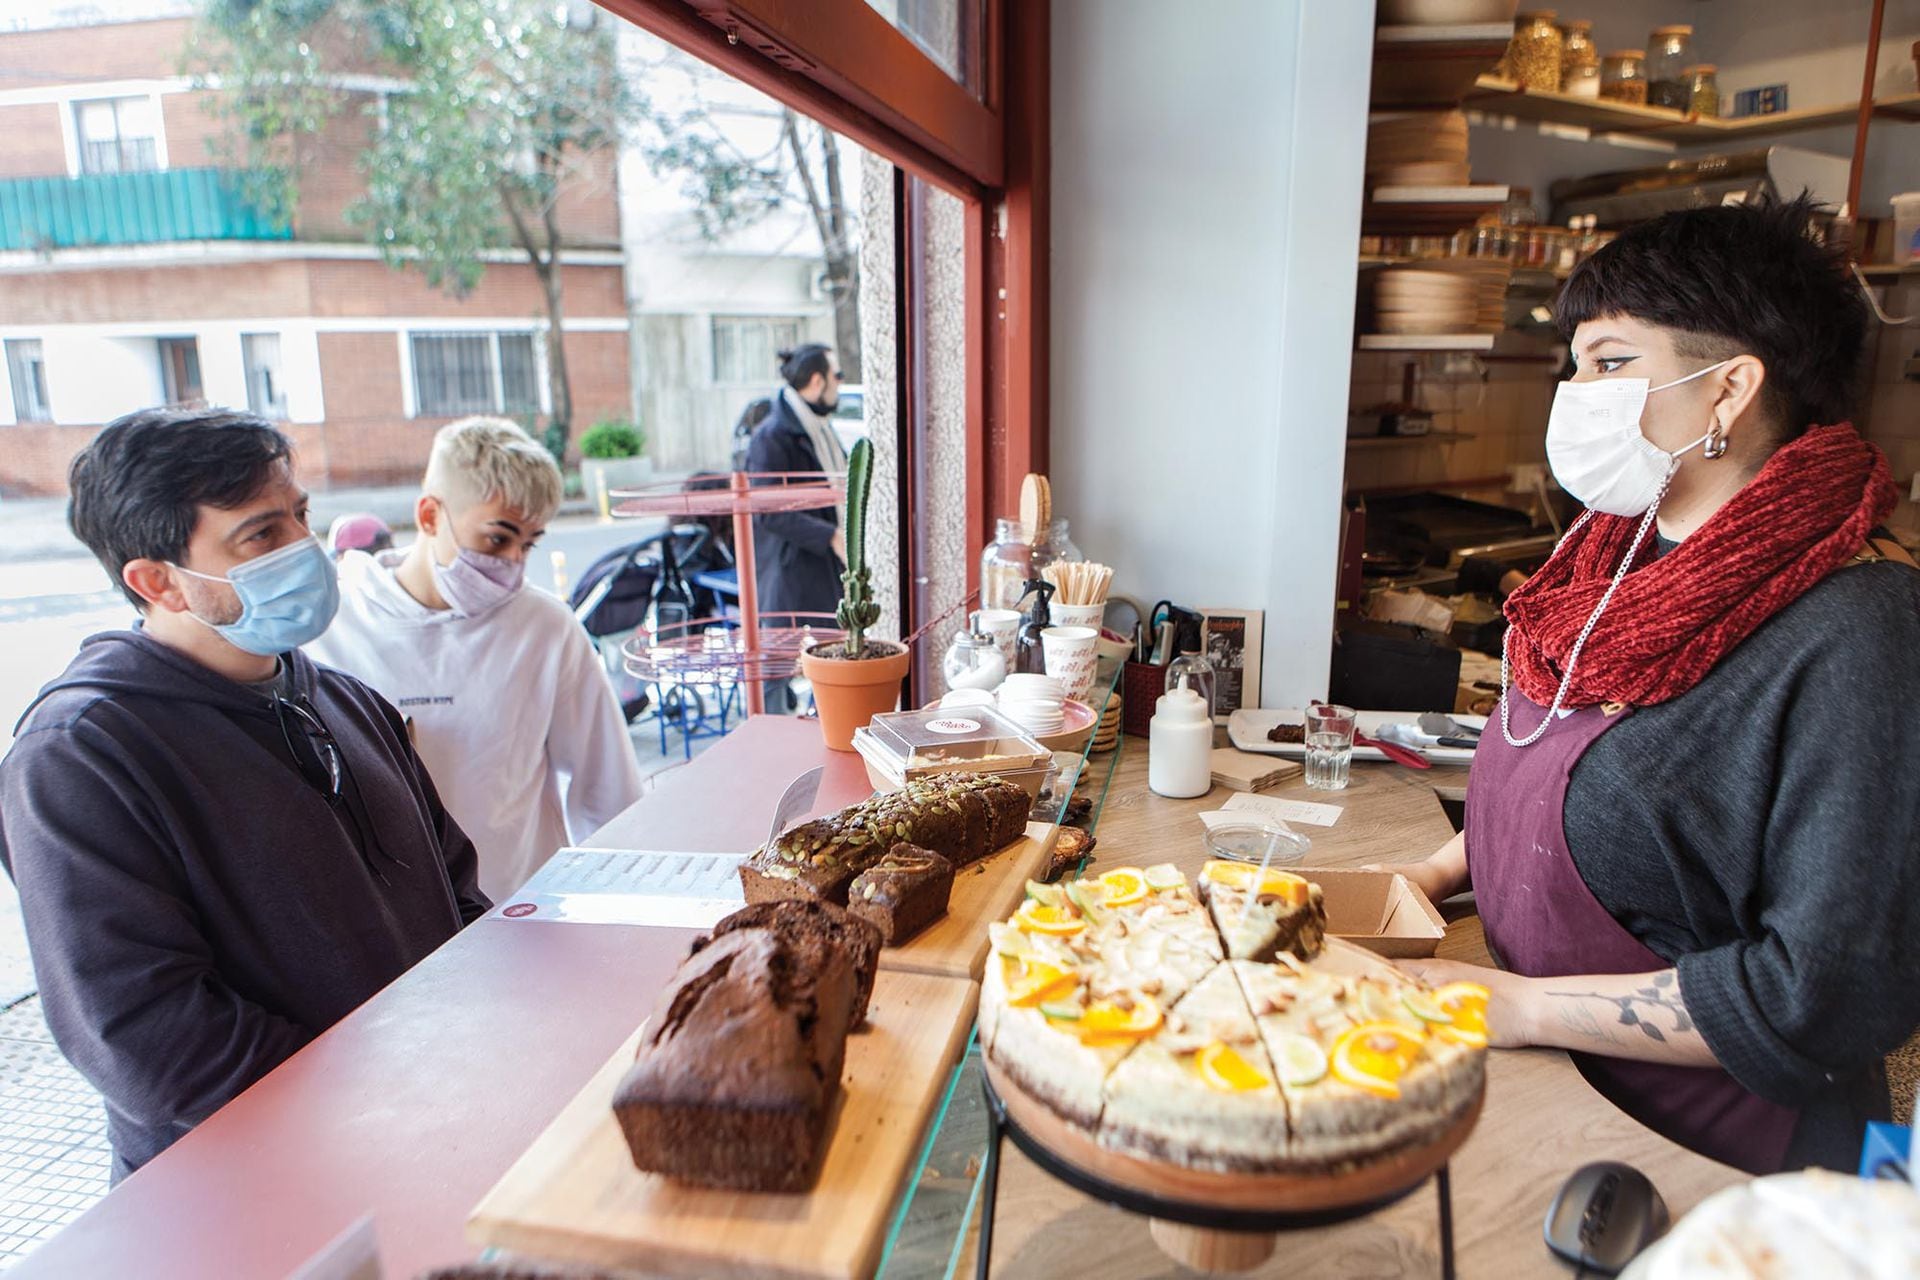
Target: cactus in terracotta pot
{"points": [[858, 609]]}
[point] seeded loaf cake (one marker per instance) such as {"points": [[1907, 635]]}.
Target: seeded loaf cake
{"points": [[962, 817], [903, 893], [737, 1073], [813, 929]]}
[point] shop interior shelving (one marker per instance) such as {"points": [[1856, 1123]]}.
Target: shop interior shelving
{"points": [[1427, 211], [1387, 442], [1433, 66], [1426, 342], [1495, 96]]}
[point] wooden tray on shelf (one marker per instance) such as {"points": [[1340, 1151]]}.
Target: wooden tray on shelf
{"points": [[575, 1194], [955, 945]]}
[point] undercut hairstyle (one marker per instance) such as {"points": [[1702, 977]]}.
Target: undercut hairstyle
{"points": [[1738, 280], [139, 484], [483, 459], [799, 364]]}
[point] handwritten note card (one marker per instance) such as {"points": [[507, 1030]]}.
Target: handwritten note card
{"points": [[1318, 815]]}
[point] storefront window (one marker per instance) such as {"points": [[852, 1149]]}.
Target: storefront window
{"points": [[461, 373]]}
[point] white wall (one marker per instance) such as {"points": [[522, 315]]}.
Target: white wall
{"points": [[1206, 197]]}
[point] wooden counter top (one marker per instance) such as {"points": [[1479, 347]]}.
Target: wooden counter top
{"points": [[1542, 1120], [413, 1106]]}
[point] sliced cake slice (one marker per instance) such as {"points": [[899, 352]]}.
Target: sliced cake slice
{"points": [[1149, 932], [1362, 1072], [1201, 1092], [1281, 913], [1040, 1025]]}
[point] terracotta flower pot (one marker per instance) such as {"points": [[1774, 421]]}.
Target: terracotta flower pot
{"points": [[850, 693]]}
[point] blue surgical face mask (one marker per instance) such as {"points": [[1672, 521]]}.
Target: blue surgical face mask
{"points": [[287, 598]]}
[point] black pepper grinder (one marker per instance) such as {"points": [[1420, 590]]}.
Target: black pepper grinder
{"points": [[1028, 654]]}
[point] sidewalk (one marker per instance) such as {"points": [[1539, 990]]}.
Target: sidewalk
{"points": [[36, 528]]}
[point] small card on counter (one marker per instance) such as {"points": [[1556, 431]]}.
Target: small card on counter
{"points": [[629, 886], [1212, 818], [1245, 771], [1317, 815]]}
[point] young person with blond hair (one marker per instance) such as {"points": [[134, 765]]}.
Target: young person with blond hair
{"points": [[511, 707]]}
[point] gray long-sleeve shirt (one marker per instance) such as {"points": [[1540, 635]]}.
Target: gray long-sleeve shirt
{"points": [[1762, 832]]}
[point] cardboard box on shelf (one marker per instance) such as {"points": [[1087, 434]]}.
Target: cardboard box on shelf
{"points": [[1382, 911]]}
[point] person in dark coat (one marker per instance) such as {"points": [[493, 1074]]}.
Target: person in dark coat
{"points": [[799, 555], [221, 847]]}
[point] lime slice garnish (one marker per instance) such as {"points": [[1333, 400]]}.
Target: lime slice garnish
{"points": [[1050, 895], [1060, 1012], [1425, 1007], [1164, 876], [1300, 1061]]}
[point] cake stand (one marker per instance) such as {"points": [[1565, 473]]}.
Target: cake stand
{"points": [[767, 649], [1201, 1219]]}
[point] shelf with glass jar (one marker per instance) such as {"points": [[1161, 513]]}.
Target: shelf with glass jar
{"points": [[1494, 96]]}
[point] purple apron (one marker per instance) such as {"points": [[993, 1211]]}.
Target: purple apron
{"points": [[1542, 921]]}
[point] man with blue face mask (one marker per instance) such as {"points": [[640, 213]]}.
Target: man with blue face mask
{"points": [[511, 707], [221, 848]]}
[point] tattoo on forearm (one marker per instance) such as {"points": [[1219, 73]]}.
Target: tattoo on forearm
{"points": [[1636, 1010]]}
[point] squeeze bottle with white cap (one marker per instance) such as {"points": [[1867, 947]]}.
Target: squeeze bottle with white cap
{"points": [[1180, 744]]}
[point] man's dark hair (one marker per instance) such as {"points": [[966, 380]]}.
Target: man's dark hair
{"points": [[799, 364], [1733, 280], [138, 485]]}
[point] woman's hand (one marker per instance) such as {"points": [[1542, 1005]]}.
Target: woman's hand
{"points": [[1440, 875], [1509, 1001]]}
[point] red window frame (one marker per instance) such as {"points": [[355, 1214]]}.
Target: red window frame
{"points": [[843, 64]]}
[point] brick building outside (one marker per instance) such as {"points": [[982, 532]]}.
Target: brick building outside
{"points": [[133, 272]]}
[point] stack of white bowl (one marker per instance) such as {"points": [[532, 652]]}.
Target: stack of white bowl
{"points": [[1035, 702]]}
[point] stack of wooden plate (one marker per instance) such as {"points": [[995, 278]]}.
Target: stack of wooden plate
{"points": [[1490, 277], [1417, 299], [1106, 735], [1417, 149]]}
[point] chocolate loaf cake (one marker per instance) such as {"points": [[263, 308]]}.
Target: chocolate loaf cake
{"points": [[736, 1076], [813, 928], [962, 817], [903, 893]]}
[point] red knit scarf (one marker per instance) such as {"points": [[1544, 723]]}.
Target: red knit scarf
{"points": [[1807, 513]]}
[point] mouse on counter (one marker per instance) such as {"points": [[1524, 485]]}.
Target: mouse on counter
{"points": [[1603, 1215]]}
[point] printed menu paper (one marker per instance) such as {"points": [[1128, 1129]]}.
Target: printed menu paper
{"points": [[629, 886]]}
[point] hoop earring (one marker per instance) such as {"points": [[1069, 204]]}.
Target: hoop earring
{"points": [[1716, 446]]}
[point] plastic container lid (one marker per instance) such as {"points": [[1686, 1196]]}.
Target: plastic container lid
{"points": [[1247, 842], [911, 744]]}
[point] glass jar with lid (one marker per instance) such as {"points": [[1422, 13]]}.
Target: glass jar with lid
{"points": [[974, 660], [1534, 54], [1669, 54], [1579, 59], [1054, 547], [1623, 77], [1005, 566], [1703, 90]]}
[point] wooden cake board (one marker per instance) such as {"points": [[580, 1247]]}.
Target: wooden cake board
{"points": [[956, 945], [575, 1194]]}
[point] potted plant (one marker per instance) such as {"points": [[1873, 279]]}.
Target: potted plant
{"points": [[611, 457], [857, 679]]}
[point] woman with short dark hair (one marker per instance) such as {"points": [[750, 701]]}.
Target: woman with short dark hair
{"points": [[1693, 829]]}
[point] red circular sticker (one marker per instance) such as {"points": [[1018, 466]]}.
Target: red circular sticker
{"points": [[519, 909]]}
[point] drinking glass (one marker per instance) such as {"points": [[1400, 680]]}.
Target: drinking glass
{"points": [[1329, 746]]}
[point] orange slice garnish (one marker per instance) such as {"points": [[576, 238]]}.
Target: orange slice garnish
{"points": [[1467, 1002], [1240, 875], [1037, 917], [1373, 1056], [1123, 886], [1107, 1023], [1035, 982], [1223, 1068]]}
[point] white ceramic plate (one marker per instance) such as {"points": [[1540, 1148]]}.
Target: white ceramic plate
{"points": [[1248, 730]]}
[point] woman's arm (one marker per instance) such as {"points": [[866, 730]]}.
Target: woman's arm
{"points": [[1623, 1015], [1440, 875]]}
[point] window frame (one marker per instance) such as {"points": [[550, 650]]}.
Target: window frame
{"points": [[768, 374], [845, 65], [496, 373], [22, 416], [77, 134], [278, 407]]}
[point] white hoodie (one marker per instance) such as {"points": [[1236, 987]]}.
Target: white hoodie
{"points": [[512, 712]]}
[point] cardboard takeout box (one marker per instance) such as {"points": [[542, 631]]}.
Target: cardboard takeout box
{"points": [[1382, 911]]}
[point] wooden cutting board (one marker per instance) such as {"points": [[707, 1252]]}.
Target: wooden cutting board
{"points": [[575, 1194], [955, 946]]}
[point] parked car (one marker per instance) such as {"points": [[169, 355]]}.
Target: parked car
{"points": [[850, 415]]}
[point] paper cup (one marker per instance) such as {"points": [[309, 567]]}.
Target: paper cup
{"points": [[1004, 626], [1077, 615], [1070, 658]]}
